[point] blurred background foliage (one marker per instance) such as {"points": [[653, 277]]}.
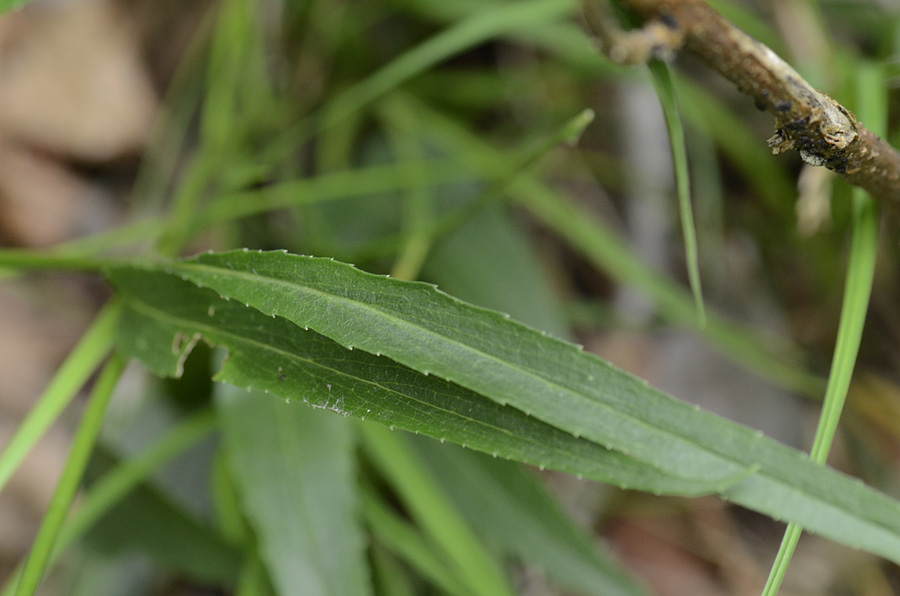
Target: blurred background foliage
{"points": [[431, 140]]}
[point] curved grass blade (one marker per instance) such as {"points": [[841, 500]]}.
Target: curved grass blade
{"points": [[82, 446], [857, 292], [417, 326], [662, 82]]}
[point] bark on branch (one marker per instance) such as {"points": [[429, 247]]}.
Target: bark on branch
{"points": [[824, 132]]}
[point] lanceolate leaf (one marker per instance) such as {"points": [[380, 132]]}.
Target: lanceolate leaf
{"points": [[433, 333], [419, 327], [164, 316]]}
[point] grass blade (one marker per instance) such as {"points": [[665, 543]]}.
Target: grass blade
{"points": [[82, 446], [662, 81], [857, 291], [78, 367], [401, 538]]}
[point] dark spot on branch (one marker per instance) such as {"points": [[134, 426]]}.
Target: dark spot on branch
{"points": [[669, 20], [797, 125], [784, 106], [838, 164], [760, 105]]}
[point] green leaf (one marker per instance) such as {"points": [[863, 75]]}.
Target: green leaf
{"points": [[433, 333], [165, 316], [416, 325], [512, 509], [294, 468]]}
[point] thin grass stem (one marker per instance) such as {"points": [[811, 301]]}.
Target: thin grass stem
{"points": [[81, 363], [665, 89], [82, 447], [857, 291]]}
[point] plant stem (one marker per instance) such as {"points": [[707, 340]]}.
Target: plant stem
{"points": [[31, 259], [857, 291], [82, 446], [856, 299]]}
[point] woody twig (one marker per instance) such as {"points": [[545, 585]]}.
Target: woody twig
{"points": [[824, 132]]}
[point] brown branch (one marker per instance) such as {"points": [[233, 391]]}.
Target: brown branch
{"points": [[824, 132]]}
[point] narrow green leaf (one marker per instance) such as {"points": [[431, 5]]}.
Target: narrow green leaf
{"points": [[556, 382], [433, 333], [857, 291], [294, 469], [77, 368], [662, 82], [165, 316], [70, 480]]}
